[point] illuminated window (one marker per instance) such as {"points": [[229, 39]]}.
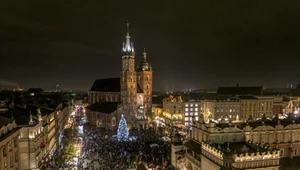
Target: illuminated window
{"points": [[196, 118], [196, 109], [186, 113], [191, 105], [4, 151], [113, 121], [191, 114], [186, 124], [191, 118], [15, 142], [186, 105], [230, 110], [191, 109], [11, 162], [186, 119], [186, 109], [196, 113], [196, 105]]}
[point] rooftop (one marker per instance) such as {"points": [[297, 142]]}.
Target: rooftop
{"points": [[4, 121], [106, 85], [255, 90], [9, 133], [236, 147], [104, 107], [194, 146], [248, 97]]}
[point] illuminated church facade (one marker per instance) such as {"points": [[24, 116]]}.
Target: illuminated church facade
{"points": [[131, 94]]}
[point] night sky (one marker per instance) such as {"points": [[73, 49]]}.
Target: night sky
{"points": [[191, 45]]}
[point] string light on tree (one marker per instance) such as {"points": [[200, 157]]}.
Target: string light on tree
{"points": [[122, 129]]}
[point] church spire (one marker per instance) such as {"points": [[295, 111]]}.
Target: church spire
{"points": [[127, 35], [144, 56], [128, 46]]}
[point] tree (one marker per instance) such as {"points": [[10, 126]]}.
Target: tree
{"points": [[122, 129]]}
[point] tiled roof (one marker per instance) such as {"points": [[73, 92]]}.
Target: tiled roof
{"points": [[194, 146], [106, 85], [4, 121], [239, 147], [104, 107], [240, 90], [248, 97], [21, 116]]}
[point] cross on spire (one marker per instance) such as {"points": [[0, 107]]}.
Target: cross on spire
{"points": [[127, 36]]}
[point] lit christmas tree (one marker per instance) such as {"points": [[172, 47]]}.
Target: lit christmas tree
{"points": [[123, 130]]}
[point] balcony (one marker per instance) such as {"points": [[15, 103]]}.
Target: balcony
{"points": [[193, 159]]}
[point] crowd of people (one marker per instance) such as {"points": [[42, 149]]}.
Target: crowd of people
{"points": [[101, 151]]}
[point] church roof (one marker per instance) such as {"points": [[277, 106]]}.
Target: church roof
{"points": [[104, 107], [106, 85], [255, 90]]}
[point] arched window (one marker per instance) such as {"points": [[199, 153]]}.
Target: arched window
{"points": [[140, 101], [113, 121], [147, 78], [147, 86], [131, 79]]}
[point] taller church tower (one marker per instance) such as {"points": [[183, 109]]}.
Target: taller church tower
{"points": [[128, 79], [136, 85]]}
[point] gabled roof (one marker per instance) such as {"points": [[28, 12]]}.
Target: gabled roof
{"points": [[104, 107], [106, 85], [255, 90]]}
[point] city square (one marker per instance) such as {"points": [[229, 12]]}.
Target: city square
{"points": [[146, 85]]}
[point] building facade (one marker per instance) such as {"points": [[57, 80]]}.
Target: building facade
{"points": [[30, 149], [9, 144], [221, 108], [191, 109], [133, 90]]}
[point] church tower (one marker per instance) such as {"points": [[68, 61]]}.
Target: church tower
{"points": [[144, 82], [128, 79]]}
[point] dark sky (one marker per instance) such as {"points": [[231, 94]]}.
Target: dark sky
{"points": [[191, 44]]}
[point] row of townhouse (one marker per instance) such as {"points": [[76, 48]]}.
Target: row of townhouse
{"points": [[30, 135], [222, 108]]}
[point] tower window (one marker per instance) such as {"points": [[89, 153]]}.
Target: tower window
{"points": [[147, 78], [147, 87]]}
